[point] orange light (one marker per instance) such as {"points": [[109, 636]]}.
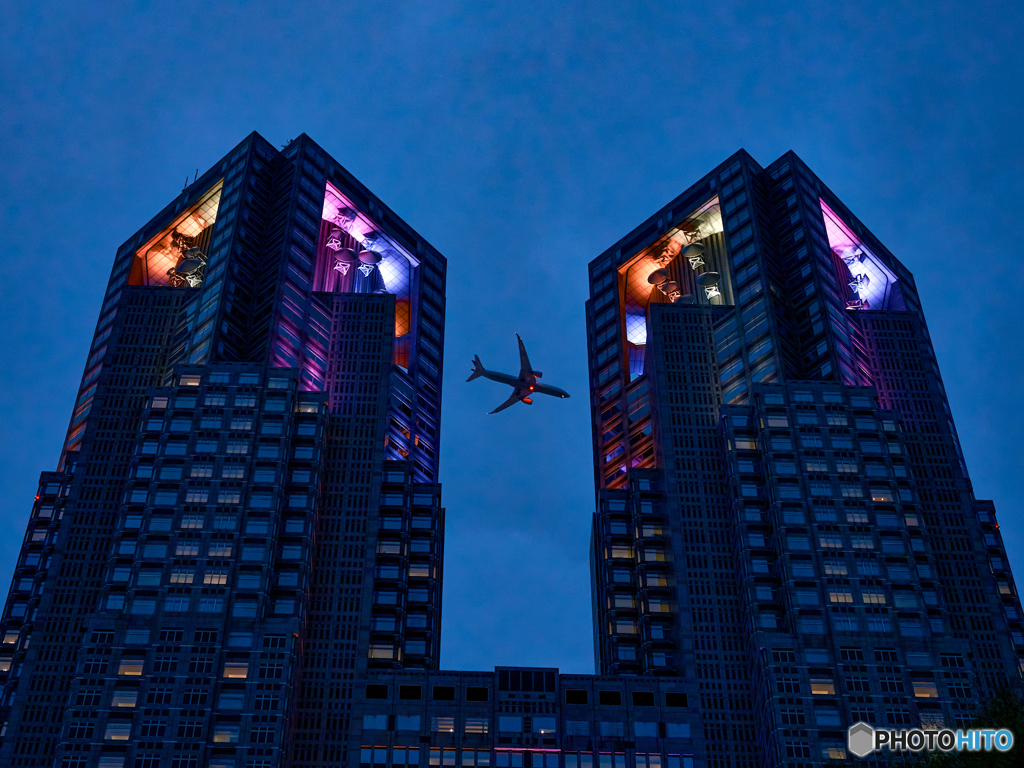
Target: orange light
{"points": [[531, 389]]}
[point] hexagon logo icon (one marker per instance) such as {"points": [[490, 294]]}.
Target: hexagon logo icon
{"points": [[861, 739]]}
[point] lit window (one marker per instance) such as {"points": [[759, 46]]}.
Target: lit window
{"points": [[124, 697], [881, 494], [823, 686], [118, 730], [225, 733], [130, 667], [382, 652], [215, 577], [543, 724], [236, 670], [182, 576], [654, 554], [655, 605], [442, 724]]}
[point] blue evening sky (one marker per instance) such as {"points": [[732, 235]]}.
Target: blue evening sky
{"points": [[521, 139]]}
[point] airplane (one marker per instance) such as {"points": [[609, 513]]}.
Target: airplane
{"points": [[523, 386]]}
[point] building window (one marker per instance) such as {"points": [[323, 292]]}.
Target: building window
{"points": [[545, 725], [611, 729], [410, 756], [176, 603], [380, 651], [124, 697], [130, 667], [510, 724], [645, 730], [411, 723], [823, 686], [225, 733]]}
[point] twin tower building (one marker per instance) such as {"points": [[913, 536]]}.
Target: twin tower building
{"points": [[237, 562]]}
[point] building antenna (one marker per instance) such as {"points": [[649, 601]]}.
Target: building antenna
{"points": [[197, 176]]}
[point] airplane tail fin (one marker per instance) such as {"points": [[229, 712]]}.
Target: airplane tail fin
{"points": [[478, 368]]}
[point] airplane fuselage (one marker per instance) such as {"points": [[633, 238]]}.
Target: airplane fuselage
{"points": [[524, 386]]}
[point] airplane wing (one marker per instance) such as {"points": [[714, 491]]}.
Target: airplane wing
{"points": [[524, 361], [511, 401]]}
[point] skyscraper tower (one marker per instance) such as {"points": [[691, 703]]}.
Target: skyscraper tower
{"points": [[785, 519], [246, 512], [237, 562]]}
